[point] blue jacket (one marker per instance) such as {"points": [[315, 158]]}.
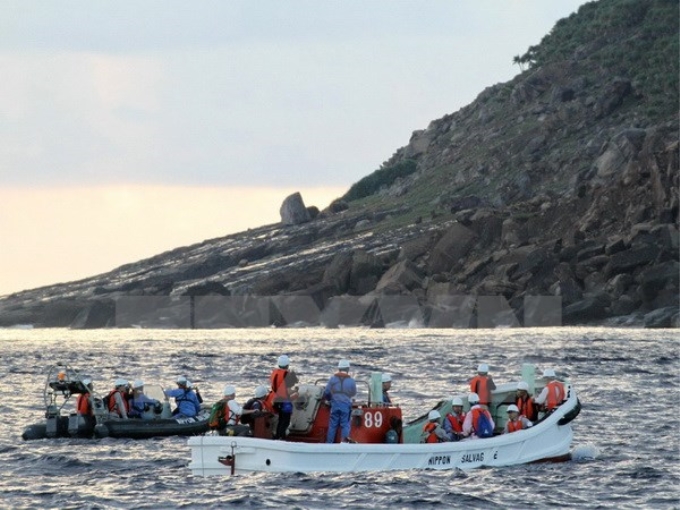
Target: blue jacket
{"points": [[340, 389], [137, 404], [186, 400]]}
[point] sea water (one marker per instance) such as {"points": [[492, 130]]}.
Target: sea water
{"points": [[626, 437]]}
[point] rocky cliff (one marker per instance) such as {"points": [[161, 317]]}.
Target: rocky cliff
{"points": [[550, 199]]}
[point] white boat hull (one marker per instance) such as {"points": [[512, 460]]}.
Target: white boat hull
{"points": [[548, 440]]}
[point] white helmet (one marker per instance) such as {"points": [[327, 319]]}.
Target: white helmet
{"points": [[483, 368], [343, 364], [228, 390], [433, 415], [548, 372], [182, 380], [87, 381], [120, 382], [473, 398], [260, 391], [137, 384], [523, 385], [283, 361], [189, 385], [457, 401], [386, 378], [512, 408]]}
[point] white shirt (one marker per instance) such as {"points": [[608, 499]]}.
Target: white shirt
{"points": [[235, 411]]}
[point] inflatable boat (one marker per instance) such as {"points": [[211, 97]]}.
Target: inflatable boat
{"points": [[61, 420]]}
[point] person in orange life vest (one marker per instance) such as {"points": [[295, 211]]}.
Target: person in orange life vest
{"points": [[515, 420], [453, 422], [339, 390], [553, 394], [470, 422], [118, 399], [283, 390], [525, 402], [386, 385], [482, 384], [83, 403], [432, 430]]}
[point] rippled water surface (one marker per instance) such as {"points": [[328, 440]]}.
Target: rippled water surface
{"points": [[628, 381]]}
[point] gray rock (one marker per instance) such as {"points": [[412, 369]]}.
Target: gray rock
{"points": [[403, 275], [455, 244], [661, 318], [293, 210]]}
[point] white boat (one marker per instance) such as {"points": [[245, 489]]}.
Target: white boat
{"points": [[548, 440]]}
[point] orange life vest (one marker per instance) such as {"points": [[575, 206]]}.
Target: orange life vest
{"points": [[527, 408], [555, 395], [480, 385], [278, 382], [514, 426], [113, 406], [83, 405], [456, 422], [429, 428]]}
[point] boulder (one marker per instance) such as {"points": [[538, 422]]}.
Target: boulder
{"points": [[404, 275], [293, 210], [365, 272], [589, 309], [656, 278], [338, 271], [514, 233], [661, 318], [630, 259], [454, 245], [99, 314]]}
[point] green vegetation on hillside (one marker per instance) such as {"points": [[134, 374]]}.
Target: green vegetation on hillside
{"points": [[633, 38], [382, 177]]}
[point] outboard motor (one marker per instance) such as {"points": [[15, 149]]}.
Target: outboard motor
{"points": [[75, 424], [52, 423]]}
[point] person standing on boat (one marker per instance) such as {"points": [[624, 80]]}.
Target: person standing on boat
{"points": [[283, 383], [339, 390], [553, 394], [525, 402], [188, 405], [432, 430], [472, 426], [515, 420], [139, 402], [386, 385], [118, 399], [482, 384], [84, 402], [453, 422]]}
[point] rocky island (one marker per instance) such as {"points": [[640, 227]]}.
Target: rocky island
{"points": [[551, 199]]}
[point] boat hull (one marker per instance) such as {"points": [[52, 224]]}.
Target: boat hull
{"points": [[132, 429], [548, 440]]}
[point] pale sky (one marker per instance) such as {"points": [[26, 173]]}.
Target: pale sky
{"points": [[130, 128]]}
